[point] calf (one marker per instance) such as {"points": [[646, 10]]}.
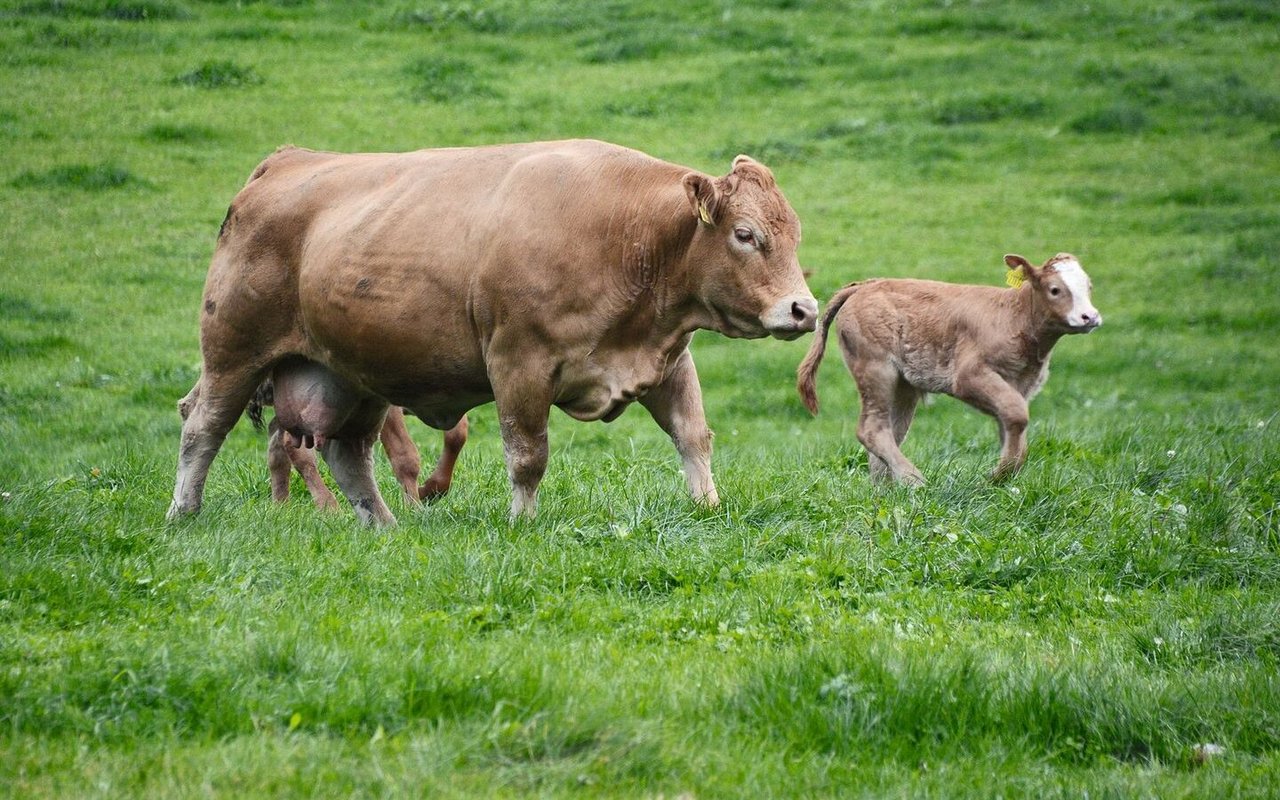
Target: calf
{"points": [[284, 452], [987, 346]]}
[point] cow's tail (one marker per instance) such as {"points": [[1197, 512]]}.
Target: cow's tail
{"points": [[265, 396], [807, 372]]}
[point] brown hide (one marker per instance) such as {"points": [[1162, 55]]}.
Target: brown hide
{"points": [[556, 273], [988, 346]]}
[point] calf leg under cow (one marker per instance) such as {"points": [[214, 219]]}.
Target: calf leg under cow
{"points": [[985, 390], [283, 456], [441, 478], [402, 453], [676, 405]]}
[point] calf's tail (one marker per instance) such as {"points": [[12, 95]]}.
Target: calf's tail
{"points": [[265, 396], [807, 372]]}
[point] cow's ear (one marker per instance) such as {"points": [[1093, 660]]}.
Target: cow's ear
{"points": [[703, 197]]}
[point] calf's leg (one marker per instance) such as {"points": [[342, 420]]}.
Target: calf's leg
{"points": [[988, 392], [441, 478], [901, 413], [878, 424], [282, 454], [676, 405], [279, 467], [402, 453]]}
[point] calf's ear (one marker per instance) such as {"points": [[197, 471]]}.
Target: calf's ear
{"points": [[1020, 269], [703, 197], [1014, 261]]}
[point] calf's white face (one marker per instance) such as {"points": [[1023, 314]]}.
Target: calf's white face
{"points": [[1082, 314]]}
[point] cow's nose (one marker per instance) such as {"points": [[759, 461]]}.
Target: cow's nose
{"points": [[805, 313]]}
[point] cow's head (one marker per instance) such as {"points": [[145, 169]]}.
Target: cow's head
{"points": [[744, 254], [1063, 289]]}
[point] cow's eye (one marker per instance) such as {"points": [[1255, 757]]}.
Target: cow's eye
{"points": [[1054, 291], [744, 235]]}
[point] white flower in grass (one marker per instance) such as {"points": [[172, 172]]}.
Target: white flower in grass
{"points": [[1206, 752]]}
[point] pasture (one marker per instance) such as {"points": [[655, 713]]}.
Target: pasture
{"points": [[1085, 628]]}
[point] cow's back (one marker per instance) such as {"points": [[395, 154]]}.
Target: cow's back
{"points": [[391, 267]]}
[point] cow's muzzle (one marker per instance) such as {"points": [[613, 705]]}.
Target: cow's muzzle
{"points": [[791, 317]]}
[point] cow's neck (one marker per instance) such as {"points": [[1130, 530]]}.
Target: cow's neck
{"points": [[658, 301]]}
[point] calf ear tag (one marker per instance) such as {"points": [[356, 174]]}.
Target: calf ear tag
{"points": [[1015, 277], [703, 213]]}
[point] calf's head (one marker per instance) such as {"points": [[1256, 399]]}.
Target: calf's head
{"points": [[744, 254], [1063, 289]]}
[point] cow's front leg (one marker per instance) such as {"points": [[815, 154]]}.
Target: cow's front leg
{"points": [[676, 405], [523, 409]]}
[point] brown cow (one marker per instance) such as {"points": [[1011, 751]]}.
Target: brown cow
{"points": [[988, 346], [566, 273]]}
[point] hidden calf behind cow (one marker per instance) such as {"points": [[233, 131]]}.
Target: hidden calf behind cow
{"points": [[569, 274]]}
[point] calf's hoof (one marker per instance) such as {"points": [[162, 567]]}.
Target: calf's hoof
{"points": [[433, 489], [1004, 472]]}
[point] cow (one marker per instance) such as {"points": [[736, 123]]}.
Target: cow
{"points": [[568, 273], [284, 454], [988, 346]]}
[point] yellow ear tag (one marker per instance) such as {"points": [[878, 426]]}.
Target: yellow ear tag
{"points": [[704, 214], [1015, 277]]}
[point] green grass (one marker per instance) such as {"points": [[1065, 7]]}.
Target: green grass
{"points": [[1077, 631]]}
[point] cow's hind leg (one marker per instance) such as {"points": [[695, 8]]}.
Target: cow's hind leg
{"points": [[211, 409], [441, 478], [351, 464]]}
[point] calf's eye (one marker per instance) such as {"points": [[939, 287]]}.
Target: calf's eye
{"points": [[744, 235], [1054, 291]]}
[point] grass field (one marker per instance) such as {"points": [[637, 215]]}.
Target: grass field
{"points": [[1081, 631]]}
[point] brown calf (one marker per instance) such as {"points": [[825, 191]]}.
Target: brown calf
{"points": [[285, 452], [987, 346]]}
